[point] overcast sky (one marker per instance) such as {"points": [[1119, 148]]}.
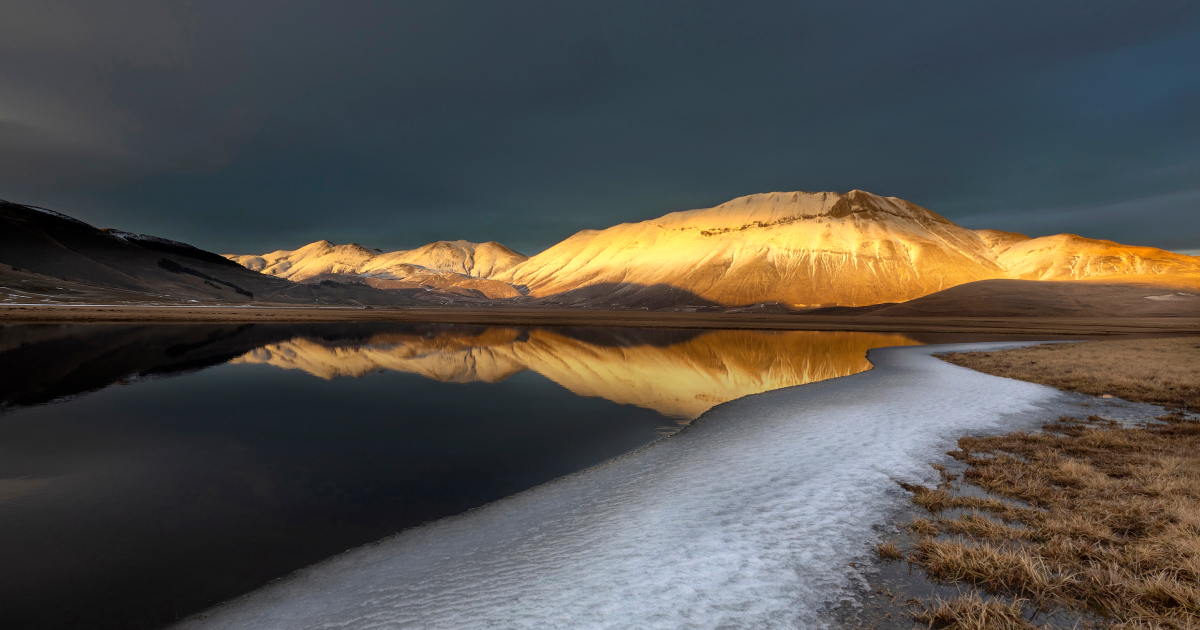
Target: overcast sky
{"points": [[252, 126]]}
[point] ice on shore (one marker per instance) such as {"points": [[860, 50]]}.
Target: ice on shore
{"points": [[747, 520]]}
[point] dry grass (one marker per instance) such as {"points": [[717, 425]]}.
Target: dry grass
{"points": [[1085, 515], [1091, 516], [889, 551], [1160, 371], [972, 612]]}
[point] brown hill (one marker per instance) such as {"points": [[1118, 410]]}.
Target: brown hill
{"points": [[1030, 298]]}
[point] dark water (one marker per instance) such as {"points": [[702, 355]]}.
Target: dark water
{"points": [[148, 472]]}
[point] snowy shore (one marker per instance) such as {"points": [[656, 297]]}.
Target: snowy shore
{"points": [[748, 519]]}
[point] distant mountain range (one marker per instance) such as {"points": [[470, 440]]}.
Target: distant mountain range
{"points": [[445, 265], [798, 249], [789, 251], [816, 249]]}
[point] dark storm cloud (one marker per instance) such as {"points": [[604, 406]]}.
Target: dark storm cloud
{"points": [[251, 126]]}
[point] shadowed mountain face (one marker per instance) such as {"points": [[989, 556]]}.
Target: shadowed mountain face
{"points": [[40, 247], [681, 380]]}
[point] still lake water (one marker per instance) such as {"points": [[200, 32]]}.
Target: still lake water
{"points": [[148, 472]]}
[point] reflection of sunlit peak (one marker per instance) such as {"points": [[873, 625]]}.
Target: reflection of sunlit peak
{"points": [[682, 379]]}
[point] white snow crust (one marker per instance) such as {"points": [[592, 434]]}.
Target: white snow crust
{"points": [[748, 519], [130, 236], [56, 214]]}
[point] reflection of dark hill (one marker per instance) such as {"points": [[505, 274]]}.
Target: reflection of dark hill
{"points": [[653, 296], [42, 363], [55, 246]]}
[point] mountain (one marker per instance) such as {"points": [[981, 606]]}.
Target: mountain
{"points": [[800, 249], [446, 265], [776, 251], [805, 249], [1071, 257], [48, 256]]}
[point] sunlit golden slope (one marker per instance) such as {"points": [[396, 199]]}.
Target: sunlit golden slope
{"points": [[793, 248], [476, 260], [681, 380], [798, 249], [809, 249], [1071, 257]]}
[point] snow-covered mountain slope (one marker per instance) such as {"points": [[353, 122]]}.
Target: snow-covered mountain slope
{"points": [[308, 261], [809, 249], [799, 249], [441, 264], [478, 260], [1071, 257], [999, 240]]}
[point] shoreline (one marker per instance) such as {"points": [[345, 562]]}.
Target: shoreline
{"points": [[1084, 521], [782, 519], [175, 313]]}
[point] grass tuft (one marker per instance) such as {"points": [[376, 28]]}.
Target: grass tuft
{"points": [[972, 612], [889, 551]]}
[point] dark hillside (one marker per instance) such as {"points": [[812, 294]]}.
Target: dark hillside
{"points": [[57, 246]]}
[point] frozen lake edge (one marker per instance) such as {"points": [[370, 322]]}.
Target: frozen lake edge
{"points": [[749, 518]]}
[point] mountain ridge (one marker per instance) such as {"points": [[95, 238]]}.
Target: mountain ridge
{"points": [[783, 251], [477, 260], [807, 250], [799, 249]]}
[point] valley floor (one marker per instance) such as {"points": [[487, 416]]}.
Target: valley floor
{"points": [[551, 316]]}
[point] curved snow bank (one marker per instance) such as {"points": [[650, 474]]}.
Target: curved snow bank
{"points": [[748, 519]]}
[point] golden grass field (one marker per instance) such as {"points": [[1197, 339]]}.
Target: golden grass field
{"points": [[1085, 515], [1159, 371]]}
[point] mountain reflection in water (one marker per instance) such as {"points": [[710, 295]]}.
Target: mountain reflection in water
{"points": [[150, 471], [681, 380]]}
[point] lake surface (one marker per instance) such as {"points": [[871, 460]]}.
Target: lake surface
{"points": [[148, 472]]}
